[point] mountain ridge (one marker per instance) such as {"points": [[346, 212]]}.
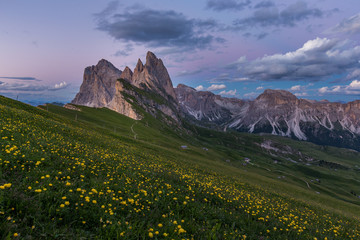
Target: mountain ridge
{"points": [[149, 89], [279, 112]]}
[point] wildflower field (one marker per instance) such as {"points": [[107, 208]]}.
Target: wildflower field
{"points": [[65, 179]]}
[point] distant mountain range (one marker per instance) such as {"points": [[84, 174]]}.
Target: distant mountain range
{"points": [[149, 90]]}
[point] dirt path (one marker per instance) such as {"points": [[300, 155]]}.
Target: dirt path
{"points": [[132, 130], [308, 185]]}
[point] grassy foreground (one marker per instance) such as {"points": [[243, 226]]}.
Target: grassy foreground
{"points": [[65, 179]]}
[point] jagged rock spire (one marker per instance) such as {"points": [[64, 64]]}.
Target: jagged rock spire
{"points": [[127, 74]]}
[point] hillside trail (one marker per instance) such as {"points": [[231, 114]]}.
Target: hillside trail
{"points": [[308, 185], [132, 130]]}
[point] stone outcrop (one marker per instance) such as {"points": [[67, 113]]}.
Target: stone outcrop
{"points": [[98, 87], [153, 76], [103, 86], [206, 106]]}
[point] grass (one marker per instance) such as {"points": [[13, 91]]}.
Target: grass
{"points": [[90, 178]]}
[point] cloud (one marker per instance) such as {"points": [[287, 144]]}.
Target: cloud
{"points": [[348, 26], [235, 64], [267, 14], [21, 78], [122, 53], [355, 85], [316, 60], [323, 89], [199, 88], [110, 9], [215, 87], [22, 87], [226, 77], [264, 4], [229, 93], [259, 88], [59, 86], [354, 74], [301, 90], [125, 52], [296, 88], [30, 87], [240, 79], [159, 28], [232, 5], [188, 73], [352, 89], [301, 94]]}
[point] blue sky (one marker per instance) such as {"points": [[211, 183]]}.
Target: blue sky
{"points": [[236, 48]]}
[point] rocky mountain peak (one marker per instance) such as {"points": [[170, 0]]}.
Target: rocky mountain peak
{"points": [[98, 87], [138, 76], [277, 97], [154, 76], [103, 62], [127, 74], [155, 65], [185, 88], [139, 66], [104, 65], [151, 59]]}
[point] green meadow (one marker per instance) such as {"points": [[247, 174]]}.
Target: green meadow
{"points": [[95, 174]]}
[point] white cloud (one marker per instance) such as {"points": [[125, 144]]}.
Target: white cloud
{"points": [[230, 92], [355, 85], [317, 59], [323, 90], [259, 88], [301, 94], [296, 88], [59, 86], [241, 79], [199, 88], [215, 87], [241, 59], [352, 89]]}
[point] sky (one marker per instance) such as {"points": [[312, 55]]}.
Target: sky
{"points": [[234, 48]]}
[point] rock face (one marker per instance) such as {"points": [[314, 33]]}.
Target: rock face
{"points": [[127, 74], [98, 87], [277, 112], [153, 76], [149, 87], [207, 107]]}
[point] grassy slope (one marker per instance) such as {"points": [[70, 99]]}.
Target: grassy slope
{"points": [[235, 147], [151, 180]]}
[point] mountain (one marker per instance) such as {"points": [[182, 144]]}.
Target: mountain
{"points": [[149, 87], [206, 107], [277, 112]]}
